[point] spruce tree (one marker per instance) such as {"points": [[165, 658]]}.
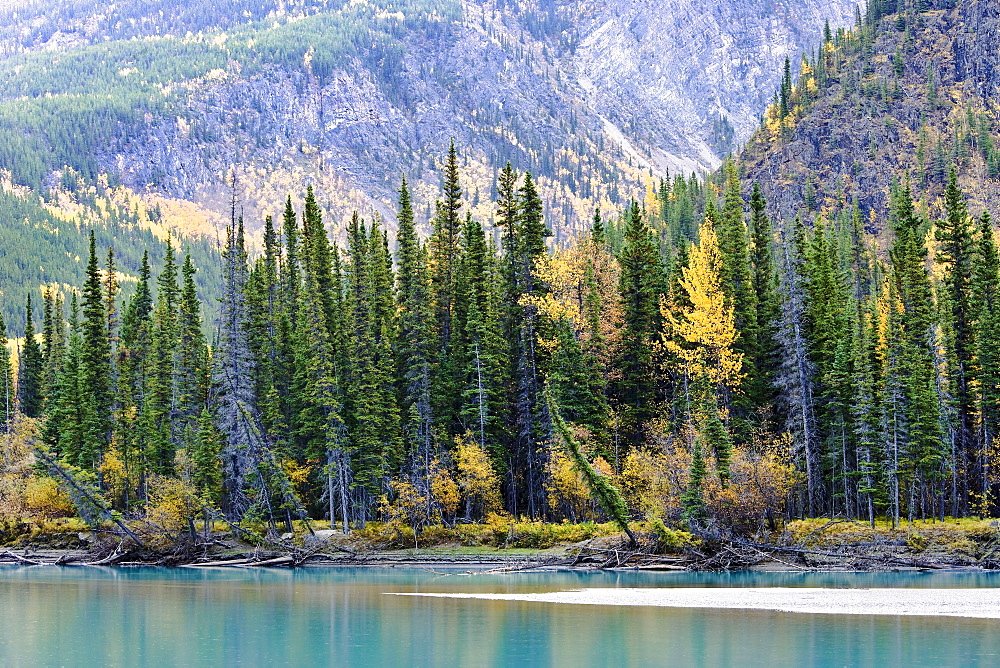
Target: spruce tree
{"points": [[640, 287], [191, 360], [64, 430], [444, 248], [737, 280], [134, 370], [95, 369], [986, 339], [531, 419], [956, 253], [920, 412], [30, 373], [9, 392], [53, 340], [414, 345], [245, 485], [761, 386]]}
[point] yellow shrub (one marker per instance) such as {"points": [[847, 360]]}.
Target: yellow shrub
{"points": [[116, 476], [173, 505], [477, 480], [444, 490], [298, 474], [652, 481], [761, 477], [43, 498], [567, 492]]}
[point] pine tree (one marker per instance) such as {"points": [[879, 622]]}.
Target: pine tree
{"points": [[986, 341], [956, 253], [640, 287], [414, 347], [64, 430], [737, 277], [192, 361], [245, 487], [95, 369], [30, 373], [761, 385], [924, 450], [9, 392]]}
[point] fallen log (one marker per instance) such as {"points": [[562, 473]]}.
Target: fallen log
{"points": [[213, 564], [268, 563], [22, 560]]}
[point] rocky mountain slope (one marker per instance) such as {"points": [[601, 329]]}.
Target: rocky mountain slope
{"points": [[179, 99], [906, 95]]}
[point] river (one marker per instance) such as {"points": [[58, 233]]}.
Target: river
{"points": [[80, 616]]}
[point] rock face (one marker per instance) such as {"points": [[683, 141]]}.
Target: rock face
{"points": [[664, 71], [593, 96], [918, 98]]}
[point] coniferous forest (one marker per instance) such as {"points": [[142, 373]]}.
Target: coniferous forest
{"points": [[700, 364]]}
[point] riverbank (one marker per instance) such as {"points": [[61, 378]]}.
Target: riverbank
{"points": [[803, 545]]}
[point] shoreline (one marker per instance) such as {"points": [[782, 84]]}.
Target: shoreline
{"points": [[493, 561]]}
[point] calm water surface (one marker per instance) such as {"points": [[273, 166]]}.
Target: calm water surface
{"points": [[342, 617]]}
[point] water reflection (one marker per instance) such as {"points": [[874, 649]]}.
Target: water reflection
{"points": [[151, 616]]}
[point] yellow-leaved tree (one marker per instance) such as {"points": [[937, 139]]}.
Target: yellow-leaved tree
{"points": [[703, 334], [477, 480]]}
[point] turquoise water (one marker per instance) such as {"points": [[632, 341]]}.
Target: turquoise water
{"points": [[61, 616]]}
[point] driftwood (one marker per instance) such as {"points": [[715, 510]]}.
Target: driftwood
{"points": [[278, 561], [20, 559]]}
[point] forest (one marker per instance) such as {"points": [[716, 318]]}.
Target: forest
{"points": [[686, 363]]}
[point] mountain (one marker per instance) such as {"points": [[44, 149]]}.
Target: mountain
{"points": [[903, 95], [188, 102]]}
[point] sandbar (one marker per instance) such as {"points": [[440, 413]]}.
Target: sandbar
{"points": [[978, 603]]}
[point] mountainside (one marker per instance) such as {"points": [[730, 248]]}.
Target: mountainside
{"points": [[905, 95], [178, 99]]}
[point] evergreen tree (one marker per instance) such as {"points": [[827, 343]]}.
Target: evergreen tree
{"points": [[30, 373], [531, 419], [986, 341], [919, 411], [444, 250], [737, 278], [134, 370], [9, 392], [95, 369], [956, 253], [245, 487], [64, 430], [414, 345], [192, 362], [639, 288], [761, 385], [53, 340]]}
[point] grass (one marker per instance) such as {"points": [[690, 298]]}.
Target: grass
{"points": [[957, 536]]}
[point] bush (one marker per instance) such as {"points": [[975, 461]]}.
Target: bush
{"points": [[44, 499], [173, 505]]}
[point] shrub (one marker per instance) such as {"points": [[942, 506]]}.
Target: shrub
{"points": [[44, 499], [173, 505]]}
